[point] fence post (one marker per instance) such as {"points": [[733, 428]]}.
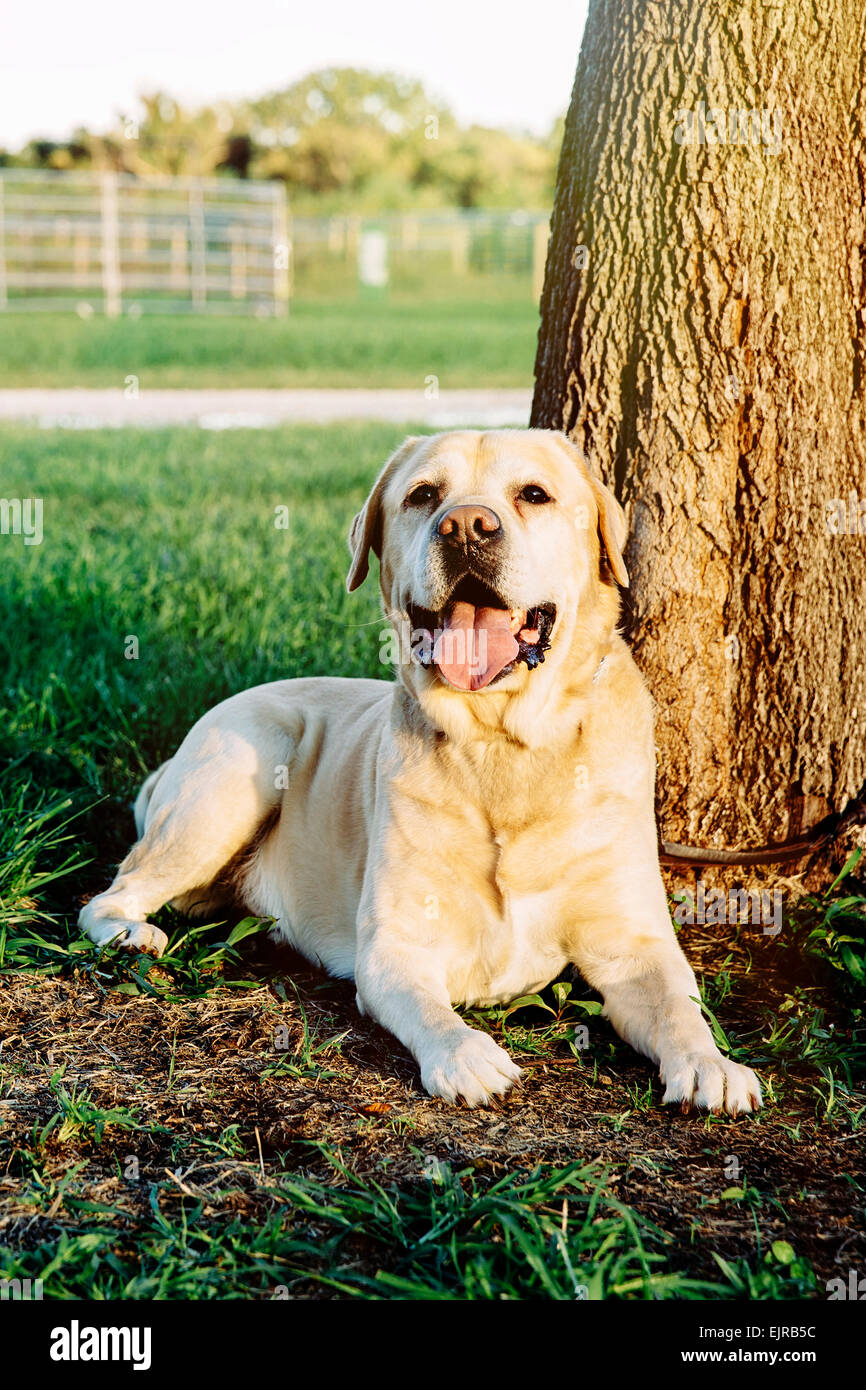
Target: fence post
{"points": [[111, 286], [178, 272], [237, 262], [3, 292], [282, 253], [373, 259], [197, 239]]}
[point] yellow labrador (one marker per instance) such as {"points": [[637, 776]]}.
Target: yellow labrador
{"points": [[463, 834]]}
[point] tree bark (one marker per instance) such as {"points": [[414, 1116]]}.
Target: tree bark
{"points": [[707, 352]]}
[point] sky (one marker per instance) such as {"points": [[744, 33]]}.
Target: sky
{"points": [[84, 64]]}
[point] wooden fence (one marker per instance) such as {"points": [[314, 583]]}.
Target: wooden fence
{"points": [[425, 252], [114, 242]]}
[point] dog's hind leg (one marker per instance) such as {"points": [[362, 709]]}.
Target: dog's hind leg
{"points": [[142, 801], [195, 815]]}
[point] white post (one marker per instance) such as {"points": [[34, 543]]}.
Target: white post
{"points": [[373, 258], [199, 265], [111, 286], [282, 252]]}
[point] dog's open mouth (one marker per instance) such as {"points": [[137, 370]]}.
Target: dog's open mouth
{"points": [[476, 639]]}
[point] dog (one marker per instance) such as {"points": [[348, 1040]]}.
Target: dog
{"points": [[463, 833]]}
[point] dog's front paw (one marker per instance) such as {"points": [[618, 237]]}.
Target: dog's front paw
{"points": [[710, 1082], [141, 937], [475, 1069]]}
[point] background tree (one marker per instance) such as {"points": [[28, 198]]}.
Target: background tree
{"points": [[342, 139], [703, 340], [385, 141], [169, 139]]}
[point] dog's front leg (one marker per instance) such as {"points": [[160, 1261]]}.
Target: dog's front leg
{"points": [[402, 986], [649, 991]]}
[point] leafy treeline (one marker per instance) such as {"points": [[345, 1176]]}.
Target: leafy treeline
{"points": [[342, 139]]}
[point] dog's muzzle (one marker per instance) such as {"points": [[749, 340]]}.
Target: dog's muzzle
{"points": [[476, 638]]}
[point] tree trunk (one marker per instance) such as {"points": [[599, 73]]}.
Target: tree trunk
{"points": [[706, 350]]}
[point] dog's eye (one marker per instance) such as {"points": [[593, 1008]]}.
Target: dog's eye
{"points": [[534, 494], [422, 495]]}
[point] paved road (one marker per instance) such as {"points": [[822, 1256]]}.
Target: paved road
{"points": [[81, 408]]}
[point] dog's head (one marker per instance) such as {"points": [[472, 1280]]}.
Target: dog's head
{"points": [[498, 555]]}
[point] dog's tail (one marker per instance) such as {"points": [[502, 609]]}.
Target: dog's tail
{"points": [[142, 801]]}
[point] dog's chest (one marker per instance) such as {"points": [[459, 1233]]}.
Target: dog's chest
{"points": [[521, 938], [517, 953], [523, 945]]}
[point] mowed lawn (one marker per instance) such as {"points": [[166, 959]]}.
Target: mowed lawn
{"points": [[223, 1124], [461, 341]]}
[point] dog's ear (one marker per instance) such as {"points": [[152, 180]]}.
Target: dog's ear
{"points": [[365, 533], [612, 528]]}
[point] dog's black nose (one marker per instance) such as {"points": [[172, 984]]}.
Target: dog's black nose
{"points": [[472, 524]]}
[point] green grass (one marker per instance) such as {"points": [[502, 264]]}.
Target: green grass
{"points": [[77, 1115], [169, 537], [351, 343], [556, 1234]]}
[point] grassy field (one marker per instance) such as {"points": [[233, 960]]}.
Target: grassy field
{"points": [[351, 343], [223, 1124]]}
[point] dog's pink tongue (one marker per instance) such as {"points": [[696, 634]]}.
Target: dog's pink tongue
{"points": [[476, 644]]}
